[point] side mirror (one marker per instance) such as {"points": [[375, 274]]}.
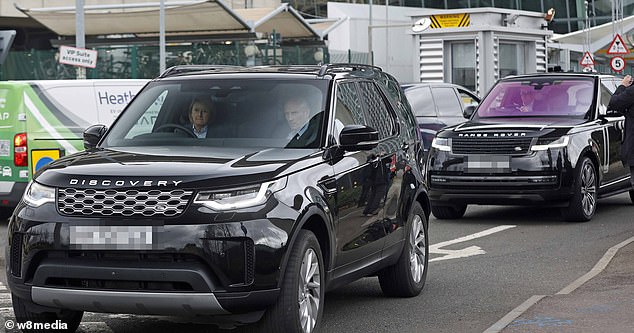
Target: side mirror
{"points": [[93, 134], [468, 111], [358, 137]]}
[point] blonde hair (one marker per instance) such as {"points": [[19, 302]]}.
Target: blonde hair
{"points": [[206, 104]]}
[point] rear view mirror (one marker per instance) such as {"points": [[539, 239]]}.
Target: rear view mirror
{"points": [[358, 137], [468, 111], [93, 134]]}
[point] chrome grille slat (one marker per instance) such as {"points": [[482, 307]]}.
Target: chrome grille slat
{"points": [[490, 145], [94, 202]]}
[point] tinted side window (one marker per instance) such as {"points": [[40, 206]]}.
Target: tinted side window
{"points": [[403, 107], [392, 87], [447, 102], [421, 101], [379, 116], [605, 95], [348, 108], [145, 124]]}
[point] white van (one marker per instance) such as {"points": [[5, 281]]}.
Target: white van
{"points": [[41, 121]]}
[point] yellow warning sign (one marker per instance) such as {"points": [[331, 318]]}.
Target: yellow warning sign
{"points": [[42, 157], [450, 20]]}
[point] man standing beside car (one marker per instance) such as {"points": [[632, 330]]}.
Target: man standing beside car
{"points": [[622, 101]]}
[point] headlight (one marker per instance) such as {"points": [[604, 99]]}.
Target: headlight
{"points": [[37, 194], [243, 197], [555, 143], [442, 144]]}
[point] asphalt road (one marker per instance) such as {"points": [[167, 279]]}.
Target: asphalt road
{"points": [[483, 266]]}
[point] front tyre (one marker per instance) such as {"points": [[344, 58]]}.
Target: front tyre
{"points": [[583, 203], [300, 305], [67, 319], [407, 277]]}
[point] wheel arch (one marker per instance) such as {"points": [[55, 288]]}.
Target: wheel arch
{"points": [[423, 199], [594, 158], [593, 151], [315, 220]]}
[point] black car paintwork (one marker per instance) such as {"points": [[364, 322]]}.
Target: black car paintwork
{"points": [[430, 124], [322, 185], [598, 138]]}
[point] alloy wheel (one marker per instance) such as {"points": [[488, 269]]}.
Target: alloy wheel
{"points": [[417, 245], [309, 291], [588, 189]]}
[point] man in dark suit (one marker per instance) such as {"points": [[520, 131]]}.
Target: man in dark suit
{"points": [[303, 131], [622, 101]]}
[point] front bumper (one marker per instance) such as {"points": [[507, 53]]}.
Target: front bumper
{"points": [[127, 302], [217, 268], [544, 177]]}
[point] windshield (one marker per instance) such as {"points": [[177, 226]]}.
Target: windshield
{"points": [[267, 113], [541, 97]]}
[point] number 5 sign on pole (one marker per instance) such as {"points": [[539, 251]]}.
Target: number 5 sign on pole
{"points": [[617, 64]]}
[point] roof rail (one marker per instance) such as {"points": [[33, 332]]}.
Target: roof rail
{"points": [[174, 70], [329, 68]]}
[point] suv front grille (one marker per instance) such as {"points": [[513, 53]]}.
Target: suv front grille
{"points": [[93, 202], [505, 146]]}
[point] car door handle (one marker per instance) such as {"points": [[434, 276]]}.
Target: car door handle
{"points": [[329, 185]]}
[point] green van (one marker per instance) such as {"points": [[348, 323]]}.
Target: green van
{"points": [[41, 121]]}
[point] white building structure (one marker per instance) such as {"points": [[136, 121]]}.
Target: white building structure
{"points": [[391, 40], [471, 47]]}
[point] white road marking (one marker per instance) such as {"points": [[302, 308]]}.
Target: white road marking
{"points": [[466, 252], [522, 308], [598, 267], [7, 311]]}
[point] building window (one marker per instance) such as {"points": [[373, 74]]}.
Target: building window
{"points": [[511, 59], [482, 3], [463, 64], [535, 6], [512, 4], [440, 4], [458, 4]]}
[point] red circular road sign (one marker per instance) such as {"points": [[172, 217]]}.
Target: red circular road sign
{"points": [[617, 64]]}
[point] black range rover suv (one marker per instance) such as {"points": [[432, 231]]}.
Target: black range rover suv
{"points": [[543, 139], [246, 224]]}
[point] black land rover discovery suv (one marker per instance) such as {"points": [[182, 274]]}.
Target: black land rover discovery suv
{"points": [[252, 221]]}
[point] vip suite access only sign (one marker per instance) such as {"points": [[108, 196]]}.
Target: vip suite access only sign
{"points": [[77, 57]]}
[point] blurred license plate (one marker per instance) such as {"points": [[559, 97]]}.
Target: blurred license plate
{"points": [[112, 237], [488, 163]]}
